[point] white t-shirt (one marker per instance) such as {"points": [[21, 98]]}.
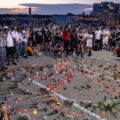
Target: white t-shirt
{"points": [[9, 40], [97, 34], [25, 36], [89, 37], [16, 35], [106, 34], [89, 40]]}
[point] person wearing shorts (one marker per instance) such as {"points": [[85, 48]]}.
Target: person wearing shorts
{"points": [[89, 43], [10, 47], [48, 40], [106, 35], [80, 43], [39, 39], [98, 38]]}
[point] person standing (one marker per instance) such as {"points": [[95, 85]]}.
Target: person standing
{"points": [[48, 39], [17, 38], [73, 41], [10, 47], [2, 52], [80, 43], [89, 43], [26, 34], [39, 39], [67, 40], [57, 36], [106, 35], [98, 39]]}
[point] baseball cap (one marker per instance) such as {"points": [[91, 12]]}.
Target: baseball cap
{"points": [[5, 27]]}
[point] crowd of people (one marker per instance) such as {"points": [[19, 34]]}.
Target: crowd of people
{"points": [[18, 41], [26, 40]]}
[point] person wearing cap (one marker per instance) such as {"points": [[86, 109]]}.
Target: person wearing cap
{"points": [[10, 47], [2, 51]]}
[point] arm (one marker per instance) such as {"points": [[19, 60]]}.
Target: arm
{"points": [[0, 37], [4, 112], [34, 38]]}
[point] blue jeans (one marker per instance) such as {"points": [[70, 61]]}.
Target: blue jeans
{"points": [[17, 49], [25, 49], [2, 56]]}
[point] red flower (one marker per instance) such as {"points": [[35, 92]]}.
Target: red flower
{"points": [[115, 78], [82, 70]]}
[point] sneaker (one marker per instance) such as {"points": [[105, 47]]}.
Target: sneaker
{"points": [[89, 55], [14, 63], [25, 56], [40, 53], [74, 53], [8, 64]]}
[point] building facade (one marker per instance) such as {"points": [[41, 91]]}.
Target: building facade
{"points": [[64, 19], [108, 12]]}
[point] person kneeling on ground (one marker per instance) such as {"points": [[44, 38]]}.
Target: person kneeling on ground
{"points": [[58, 50], [32, 50]]}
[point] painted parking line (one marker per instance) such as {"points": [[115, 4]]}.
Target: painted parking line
{"points": [[75, 104]]}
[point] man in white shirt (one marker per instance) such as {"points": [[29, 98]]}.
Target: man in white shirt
{"points": [[98, 38], [10, 48]]}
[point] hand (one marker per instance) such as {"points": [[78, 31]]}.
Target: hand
{"points": [[4, 112], [9, 116], [2, 109]]}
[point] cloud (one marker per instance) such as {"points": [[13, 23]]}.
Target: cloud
{"points": [[59, 8], [6, 10], [48, 9], [15, 10], [88, 9]]}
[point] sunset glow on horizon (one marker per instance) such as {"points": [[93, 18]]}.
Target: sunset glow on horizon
{"points": [[16, 3], [21, 6]]}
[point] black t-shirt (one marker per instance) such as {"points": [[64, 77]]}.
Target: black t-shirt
{"points": [[32, 37], [48, 36], [57, 37], [73, 37], [39, 36]]}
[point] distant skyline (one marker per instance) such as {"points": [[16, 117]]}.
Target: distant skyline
{"points": [[48, 6]]}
